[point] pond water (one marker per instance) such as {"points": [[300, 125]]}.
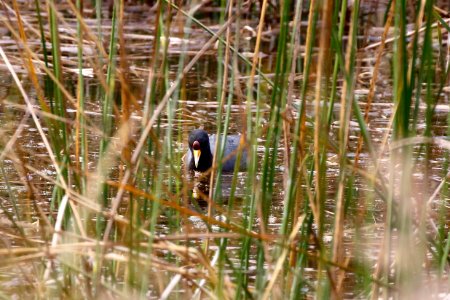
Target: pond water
{"points": [[28, 173]]}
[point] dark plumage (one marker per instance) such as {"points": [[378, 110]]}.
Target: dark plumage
{"points": [[203, 146]]}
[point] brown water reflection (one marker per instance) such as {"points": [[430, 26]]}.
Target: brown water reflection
{"points": [[197, 107]]}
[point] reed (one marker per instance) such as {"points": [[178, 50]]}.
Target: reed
{"points": [[346, 190]]}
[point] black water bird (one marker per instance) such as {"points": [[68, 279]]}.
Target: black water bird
{"points": [[199, 157]]}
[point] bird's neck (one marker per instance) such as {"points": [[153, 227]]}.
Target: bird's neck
{"points": [[205, 161]]}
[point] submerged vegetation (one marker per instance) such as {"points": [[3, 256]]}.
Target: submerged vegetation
{"points": [[343, 111]]}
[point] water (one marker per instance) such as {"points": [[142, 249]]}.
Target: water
{"points": [[28, 167]]}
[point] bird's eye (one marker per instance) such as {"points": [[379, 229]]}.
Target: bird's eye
{"points": [[196, 145]]}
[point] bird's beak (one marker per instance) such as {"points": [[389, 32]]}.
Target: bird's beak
{"points": [[197, 157]]}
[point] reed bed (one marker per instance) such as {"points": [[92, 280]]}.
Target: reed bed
{"points": [[342, 107]]}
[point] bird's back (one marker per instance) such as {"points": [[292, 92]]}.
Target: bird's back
{"points": [[232, 144]]}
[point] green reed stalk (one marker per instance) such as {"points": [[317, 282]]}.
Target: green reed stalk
{"points": [[338, 45], [11, 195], [401, 130], [107, 108], [300, 128], [59, 105], [443, 235], [171, 113], [251, 133], [289, 197], [222, 80], [278, 101], [81, 142], [151, 181], [41, 31], [412, 70], [218, 188], [222, 135], [166, 26], [58, 128], [128, 234], [81, 150], [297, 158], [343, 194], [150, 102], [320, 138], [251, 196], [222, 68], [47, 81], [155, 212], [401, 122], [291, 211], [107, 123], [98, 18], [427, 69], [222, 87], [59, 131], [299, 282], [435, 74]]}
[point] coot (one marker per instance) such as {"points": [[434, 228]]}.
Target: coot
{"points": [[199, 157]]}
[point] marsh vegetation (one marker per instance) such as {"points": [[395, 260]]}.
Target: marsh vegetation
{"points": [[343, 111]]}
